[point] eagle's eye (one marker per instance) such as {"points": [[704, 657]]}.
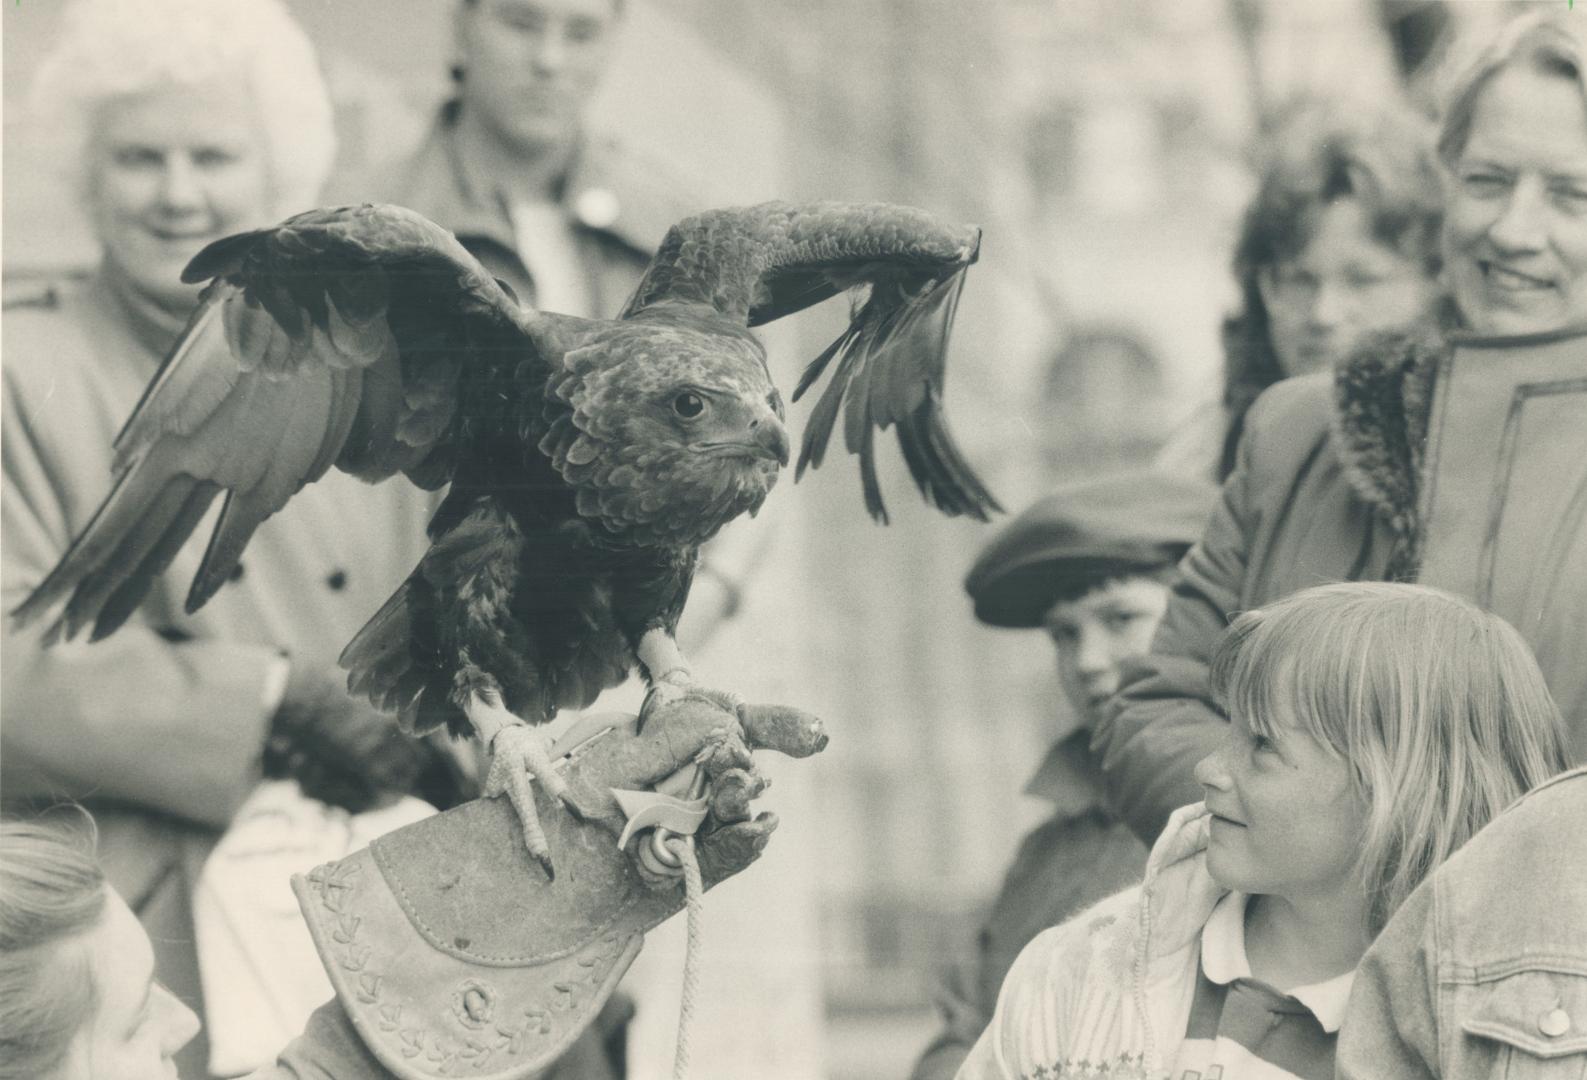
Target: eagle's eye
{"points": [[688, 405]]}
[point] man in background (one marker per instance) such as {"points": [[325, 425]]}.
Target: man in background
{"points": [[1090, 565], [569, 220]]}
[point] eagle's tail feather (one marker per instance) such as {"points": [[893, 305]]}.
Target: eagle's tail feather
{"points": [[381, 667]]}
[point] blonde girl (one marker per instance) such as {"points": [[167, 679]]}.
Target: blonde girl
{"points": [[1373, 728]]}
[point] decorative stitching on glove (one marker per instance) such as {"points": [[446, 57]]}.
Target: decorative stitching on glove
{"points": [[474, 1001]]}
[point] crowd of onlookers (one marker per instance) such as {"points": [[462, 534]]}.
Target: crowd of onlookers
{"points": [[1288, 836], [1301, 773]]}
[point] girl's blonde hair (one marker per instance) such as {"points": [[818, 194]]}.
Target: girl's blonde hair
{"points": [[51, 892], [1437, 706]]}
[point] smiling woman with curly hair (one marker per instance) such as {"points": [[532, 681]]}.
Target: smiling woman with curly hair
{"points": [[237, 85]]}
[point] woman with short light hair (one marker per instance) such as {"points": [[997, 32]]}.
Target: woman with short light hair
{"points": [[117, 48], [237, 78], [181, 122]]}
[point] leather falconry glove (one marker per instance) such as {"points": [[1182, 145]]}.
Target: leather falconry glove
{"points": [[452, 953]]}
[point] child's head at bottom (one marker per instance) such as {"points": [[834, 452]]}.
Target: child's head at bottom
{"points": [[1374, 728]]}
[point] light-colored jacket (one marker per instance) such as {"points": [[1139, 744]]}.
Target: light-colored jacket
{"points": [[1108, 993], [158, 729], [1069, 862], [169, 714], [1482, 973]]}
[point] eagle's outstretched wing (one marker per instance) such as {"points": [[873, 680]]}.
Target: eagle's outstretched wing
{"points": [[336, 338], [759, 263]]}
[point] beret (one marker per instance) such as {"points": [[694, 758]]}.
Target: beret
{"points": [[1084, 532]]}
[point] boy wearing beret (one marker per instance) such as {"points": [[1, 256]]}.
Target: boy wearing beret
{"points": [[1089, 565]]}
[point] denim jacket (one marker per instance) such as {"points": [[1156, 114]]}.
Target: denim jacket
{"points": [[1483, 972]]}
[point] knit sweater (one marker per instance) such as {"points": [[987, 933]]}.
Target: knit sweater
{"points": [[1110, 992], [1107, 993]]}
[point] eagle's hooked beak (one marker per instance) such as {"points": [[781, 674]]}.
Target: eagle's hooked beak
{"points": [[771, 438]]}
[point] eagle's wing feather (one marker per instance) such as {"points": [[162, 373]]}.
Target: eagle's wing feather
{"points": [[339, 337], [759, 263]]}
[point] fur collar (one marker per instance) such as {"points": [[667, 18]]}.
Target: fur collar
{"points": [[1383, 397]]}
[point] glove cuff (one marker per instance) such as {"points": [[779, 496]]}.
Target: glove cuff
{"points": [[451, 952]]}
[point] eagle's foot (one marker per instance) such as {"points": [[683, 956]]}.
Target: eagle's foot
{"points": [[520, 754], [663, 692], [676, 687], [671, 680]]}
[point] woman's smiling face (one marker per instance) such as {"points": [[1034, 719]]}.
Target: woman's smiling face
{"points": [[1516, 227], [171, 170]]}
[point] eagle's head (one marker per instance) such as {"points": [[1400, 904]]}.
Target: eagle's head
{"points": [[675, 429]]}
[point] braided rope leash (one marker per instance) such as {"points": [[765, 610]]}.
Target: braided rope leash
{"points": [[694, 896]]}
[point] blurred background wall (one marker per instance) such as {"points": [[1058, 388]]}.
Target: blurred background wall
{"points": [[1103, 146]]}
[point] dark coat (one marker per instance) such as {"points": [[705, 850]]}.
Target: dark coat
{"points": [[1324, 489]]}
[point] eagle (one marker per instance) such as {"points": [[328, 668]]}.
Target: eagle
{"points": [[585, 460]]}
